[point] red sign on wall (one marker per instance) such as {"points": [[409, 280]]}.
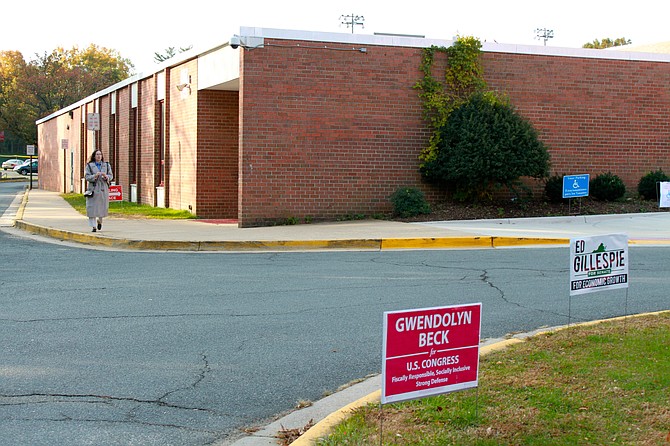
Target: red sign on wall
{"points": [[115, 192], [430, 351]]}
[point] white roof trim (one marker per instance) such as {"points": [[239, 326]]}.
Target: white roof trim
{"points": [[418, 42], [368, 39]]}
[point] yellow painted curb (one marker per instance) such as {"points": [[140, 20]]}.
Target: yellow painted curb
{"points": [[468, 242], [178, 245], [296, 245], [528, 241], [436, 242], [325, 426], [649, 242], [290, 245], [22, 206]]}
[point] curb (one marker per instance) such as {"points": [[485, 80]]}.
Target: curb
{"points": [[176, 245], [323, 427], [22, 206], [287, 245], [383, 244]]}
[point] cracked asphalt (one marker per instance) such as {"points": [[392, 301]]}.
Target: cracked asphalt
{"points": [[105, 347]]}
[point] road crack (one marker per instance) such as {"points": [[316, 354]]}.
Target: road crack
{"points": [[202, 374], [484, 277], [33, 398]]}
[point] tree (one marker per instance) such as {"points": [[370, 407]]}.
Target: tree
{"points": [[607, 43], [169, 53], [486, 144], [105, 65], [64, 76], [30, 91], [16, 113]]}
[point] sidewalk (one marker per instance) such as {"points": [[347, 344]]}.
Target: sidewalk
{"points": [[46, 213]]}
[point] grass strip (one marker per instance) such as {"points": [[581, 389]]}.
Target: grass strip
{"points": [[127, 209], [606, 383]]}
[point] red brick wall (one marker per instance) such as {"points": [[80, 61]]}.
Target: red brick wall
{"points": [[183, 167], [218, 124], [72, 132], [326, 133], [90, 142], [148, 142], [122, 175], [103, 140], [596, 115], [50, 165]]}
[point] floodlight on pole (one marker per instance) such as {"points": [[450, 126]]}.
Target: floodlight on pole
{"points": [[352, 20], [544, 34]]}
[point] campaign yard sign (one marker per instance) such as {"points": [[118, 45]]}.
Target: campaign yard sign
{"points": [[598, 263], [115, 192], [430, 351], [664, 188]]}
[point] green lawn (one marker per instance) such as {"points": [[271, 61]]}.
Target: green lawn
{"points": [[127, 209], [603, 384]]}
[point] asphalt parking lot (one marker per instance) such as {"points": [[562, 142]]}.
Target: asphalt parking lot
{"points": [[11, 175]]}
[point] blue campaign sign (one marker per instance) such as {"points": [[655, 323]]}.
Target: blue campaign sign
{"points": [[575, 186]]}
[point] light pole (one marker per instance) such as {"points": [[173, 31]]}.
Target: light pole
{"points": [[545, 34], [352, 20]]}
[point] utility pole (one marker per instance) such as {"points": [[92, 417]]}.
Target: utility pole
{"points": [[352, 20], [545, 34]]}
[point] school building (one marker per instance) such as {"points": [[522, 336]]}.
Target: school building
{"points": [[282, 124]]}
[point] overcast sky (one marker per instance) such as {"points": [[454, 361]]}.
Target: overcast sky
{"points": [[139, 28]]}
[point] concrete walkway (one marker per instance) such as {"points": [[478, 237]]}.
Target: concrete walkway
{"points": [[47, 214]]}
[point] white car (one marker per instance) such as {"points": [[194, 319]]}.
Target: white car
{"points": [[12, 163], [25, 168]]}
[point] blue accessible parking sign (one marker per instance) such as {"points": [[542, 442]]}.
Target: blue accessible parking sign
{"points": [[575, 186]]}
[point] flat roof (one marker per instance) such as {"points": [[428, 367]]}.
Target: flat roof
{"points": [[252, 37]]}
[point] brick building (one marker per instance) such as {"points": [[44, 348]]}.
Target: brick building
{"points": [[305, 125]]}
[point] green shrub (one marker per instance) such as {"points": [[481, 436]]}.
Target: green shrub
{"points": [[607, 187], [648, 187], [409, 202], [486, 144], [553, 189]]}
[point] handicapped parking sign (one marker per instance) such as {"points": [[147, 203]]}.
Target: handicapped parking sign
{"points": [[575, 186]]}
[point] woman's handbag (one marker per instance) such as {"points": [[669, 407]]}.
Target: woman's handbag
{"points": [[88, 193]]}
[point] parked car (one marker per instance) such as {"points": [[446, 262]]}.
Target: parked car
{"points": [[24, 169], [12, 163]]}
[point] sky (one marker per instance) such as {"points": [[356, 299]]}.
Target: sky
{"points": [[139, 28]]}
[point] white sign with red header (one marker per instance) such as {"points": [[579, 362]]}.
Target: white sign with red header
{"points": [[430, 351], [115, 192], [93, 121]]}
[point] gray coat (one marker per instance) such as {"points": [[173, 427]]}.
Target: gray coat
{"points": [[98, 204]]}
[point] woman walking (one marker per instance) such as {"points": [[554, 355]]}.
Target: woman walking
{"points": [[98, 174]]}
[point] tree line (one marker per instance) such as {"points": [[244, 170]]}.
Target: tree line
{"points": [[31, 90]]}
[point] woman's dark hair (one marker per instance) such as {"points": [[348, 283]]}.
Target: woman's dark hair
{"points": [[92, 157]]}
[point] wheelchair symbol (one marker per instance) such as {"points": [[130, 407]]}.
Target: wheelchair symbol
{"points": [[575, 185]]}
